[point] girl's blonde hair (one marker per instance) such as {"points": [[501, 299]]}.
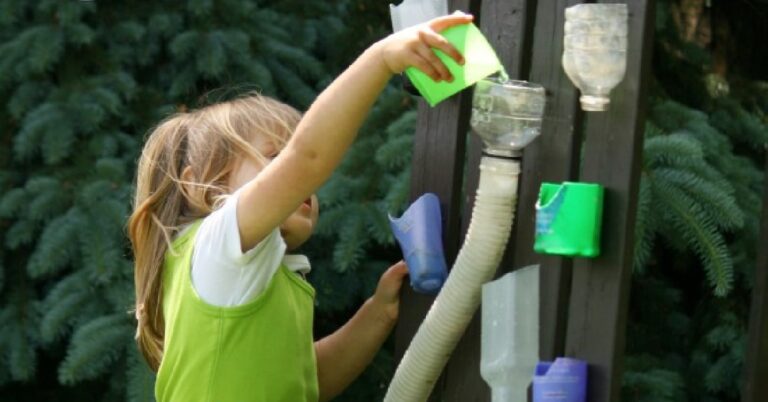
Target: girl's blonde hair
{"points": [[209, 141]]}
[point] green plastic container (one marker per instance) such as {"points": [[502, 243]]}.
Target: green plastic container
{"points": [[480, 61], [568, 219]]}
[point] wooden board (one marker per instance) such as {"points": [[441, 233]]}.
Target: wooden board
{"points": [[437, 167], [755, 388], [506, 26], [553, 157], [438, 163], [611, 157]]}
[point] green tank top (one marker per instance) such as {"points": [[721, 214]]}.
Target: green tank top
{"points": [[261, 351]]}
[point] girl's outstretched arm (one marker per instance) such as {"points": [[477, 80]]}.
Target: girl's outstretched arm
{"points": [[330, 125], [343, 355]]}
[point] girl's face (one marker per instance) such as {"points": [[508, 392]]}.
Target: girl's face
{"points": [[297, 228]]}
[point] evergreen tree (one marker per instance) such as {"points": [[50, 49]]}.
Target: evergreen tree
{"points": [[83, 81], [699, 206]]}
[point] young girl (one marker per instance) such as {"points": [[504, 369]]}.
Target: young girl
{"points": [[222, 193]]}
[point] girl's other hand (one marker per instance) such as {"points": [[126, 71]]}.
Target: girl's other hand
{"points": [[413, 47], [387, 296]]}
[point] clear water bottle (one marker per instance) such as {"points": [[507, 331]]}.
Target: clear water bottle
{"points": [[595, 51]]}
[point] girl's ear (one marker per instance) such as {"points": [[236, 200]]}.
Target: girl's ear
{"points": [[187, 178]]}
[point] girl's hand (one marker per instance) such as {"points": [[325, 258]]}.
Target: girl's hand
{"points": [[386, 299], [412, 47]]}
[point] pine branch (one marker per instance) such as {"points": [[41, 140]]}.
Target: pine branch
{"points": [[396, 153], [676, 150], [719, 204], [211, 57], [378, 227], [291, 84], [12, 202], [22, 356], [19, 321], [184, 45], [59, 317], [21, 232], [2, 271], [54, 250], [398, 196], [94, 347], [140, 380], [44, 47], [298, 59], [45, 198], [700, 233], [671, 116], [350, 249], [644, 233], [27, 96]]}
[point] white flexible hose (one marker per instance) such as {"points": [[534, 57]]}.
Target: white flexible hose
{"points": [[457, 302]]}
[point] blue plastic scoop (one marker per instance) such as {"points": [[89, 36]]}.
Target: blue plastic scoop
{"points": [[419, 233]]}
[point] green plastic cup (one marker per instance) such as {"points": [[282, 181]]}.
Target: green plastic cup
{"points": [[480, 61], [568, 219]]}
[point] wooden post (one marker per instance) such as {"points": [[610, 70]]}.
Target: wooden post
{"points": [[438, 162], [553, 157], [755, 388], [506, 26], [437, 168], [612, 151]]}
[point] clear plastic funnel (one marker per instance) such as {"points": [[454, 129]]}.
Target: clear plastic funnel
{"points": [[507, 114], [510, 334]]}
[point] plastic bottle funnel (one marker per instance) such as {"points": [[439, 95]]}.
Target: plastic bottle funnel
{"points": [[509, 347], [565, 380], [568, 219], [480, 61], [419, 233], [507, 114]]}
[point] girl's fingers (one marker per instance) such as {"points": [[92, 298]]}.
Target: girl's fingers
{"points": [[429, 55], [435, 40], [391, 281], [440, 23], [396, 272], [424, 65]]}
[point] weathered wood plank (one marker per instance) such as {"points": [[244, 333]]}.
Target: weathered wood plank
{"points": [[553, 157], [438, 161], [506, 25], [612, 150], [755, 386], [437, 167]]}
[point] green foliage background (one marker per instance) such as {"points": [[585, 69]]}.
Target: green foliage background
{"points": [[699, 209], [83, 81]]}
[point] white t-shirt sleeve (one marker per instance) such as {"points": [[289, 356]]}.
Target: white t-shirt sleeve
{"points": [[222, 274]]}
